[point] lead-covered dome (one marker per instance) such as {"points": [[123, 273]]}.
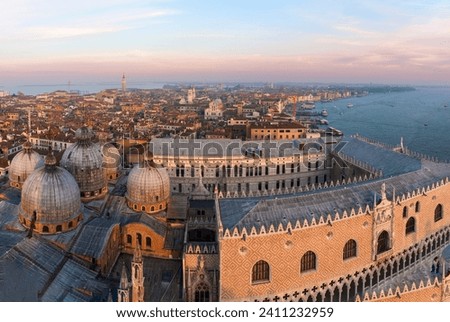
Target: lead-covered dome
{"points": [[23, 164], [148, 188], [50, 200], [84, 161]]}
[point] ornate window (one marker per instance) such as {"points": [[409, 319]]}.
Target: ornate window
{"points": [[261, 272], [417, 206], [438, 212], [349, 249], [410, 226], [383, 242], [308, 262], [202, 292]]}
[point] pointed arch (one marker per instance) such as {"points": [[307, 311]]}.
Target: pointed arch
{"points": [[202, 292], [383, 242], [438, 213], [410, 226]]}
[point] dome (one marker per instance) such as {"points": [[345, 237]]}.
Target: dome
{"points": [[23, 164], [111, 161], [148, 189], [84, 161], [50, 199]]}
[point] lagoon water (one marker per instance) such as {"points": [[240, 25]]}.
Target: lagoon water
{"points": [[421, 117]]}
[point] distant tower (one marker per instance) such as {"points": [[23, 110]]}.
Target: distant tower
{"points": [[29, 123], [124, 84], [191, 95], [123, 292], [137, 275]]}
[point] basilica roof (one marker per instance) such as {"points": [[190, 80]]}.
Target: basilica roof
{"points": [[52, 193], [37, 270], [24, 163], [148, 184], [84, 161]]}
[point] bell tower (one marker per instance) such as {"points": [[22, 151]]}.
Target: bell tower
{"points": [[123, 292], [124, 84], [137, 275]]}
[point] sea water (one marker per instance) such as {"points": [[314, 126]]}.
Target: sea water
{"points": [[421, 117]]}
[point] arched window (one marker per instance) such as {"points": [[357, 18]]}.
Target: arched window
{"points": [[417, 206], [202, 292], [70, 224], [261, 272], [349, 249], [152, 209], [383, 242], [438, 212], [410, 226], [45, 229], [308, 262], [148, 242], [405, 212], [58, 228], [139, 239], [143, 208], [129, 239]]}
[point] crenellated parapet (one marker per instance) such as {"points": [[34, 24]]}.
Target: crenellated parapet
{"points": [[286, 225]]}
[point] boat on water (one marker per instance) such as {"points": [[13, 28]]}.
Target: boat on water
{"points": [[349, 105], [323, 122], [334, 132], [308, 105], [324, 113]]}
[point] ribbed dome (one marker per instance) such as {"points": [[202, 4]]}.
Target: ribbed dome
{"points": [[23, 164], [84, 161], [50, 198], [148, 189]]}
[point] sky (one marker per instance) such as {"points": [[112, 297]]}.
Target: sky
{"points": [[395, 42]]}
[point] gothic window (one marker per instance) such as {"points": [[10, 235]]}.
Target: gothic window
{"points": [[148, 242], [410, 226], [417, 206], [261, 272], [308, 262], [405, 212], [201, 292], [349, 249], [438, 213], [383, 242]]}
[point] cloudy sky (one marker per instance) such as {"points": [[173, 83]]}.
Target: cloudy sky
{"points": [[378, 41]]}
